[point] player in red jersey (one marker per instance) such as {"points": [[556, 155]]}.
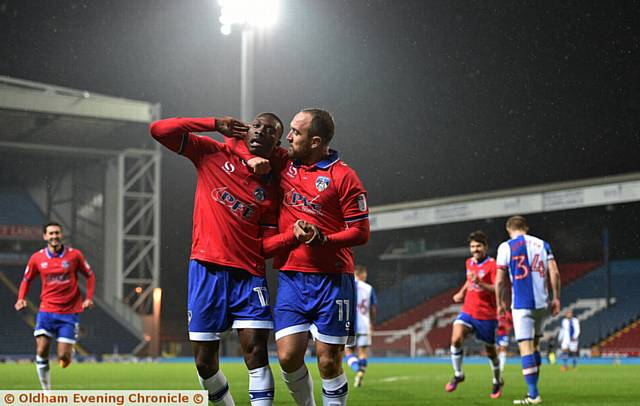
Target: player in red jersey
{"points": [[479, 312], [234, 228], [60, 298], [316, 289], [505, 325]]}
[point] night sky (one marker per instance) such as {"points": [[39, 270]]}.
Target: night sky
{"points": [[430, 98]]}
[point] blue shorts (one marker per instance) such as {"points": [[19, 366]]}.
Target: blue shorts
{"points": [[323, 304], [222, 297], [485, 330], [502, 341], [63, 326]]}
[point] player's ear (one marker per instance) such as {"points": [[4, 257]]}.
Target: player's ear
{"points": [[316, 142]]}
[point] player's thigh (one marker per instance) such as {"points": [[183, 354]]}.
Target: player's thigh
{"points": [[206, 352], [253, 343], [43, 344], [329, 359], [335, 309], [207, 303], [65, 350], [462, 326], [524, 325], [291, 312], [291, 350], [248, 301]]}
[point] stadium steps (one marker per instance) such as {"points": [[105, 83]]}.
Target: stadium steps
{"points": [[625, 340], [432, 319], [18, 208]]}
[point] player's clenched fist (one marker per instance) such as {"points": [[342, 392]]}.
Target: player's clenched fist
{"points": [[20, 304]]}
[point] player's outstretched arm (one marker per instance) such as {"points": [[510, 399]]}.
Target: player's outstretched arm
{"points": [[459, 296], [554, 279], [357, 234], [28, 277]]}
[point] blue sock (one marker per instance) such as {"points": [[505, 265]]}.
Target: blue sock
{"points": [[353, 362], [530, 372], [575, 360], [363, 364]]}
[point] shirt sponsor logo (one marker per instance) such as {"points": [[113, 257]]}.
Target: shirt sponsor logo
{"points": [[295, 199], [237, 207], [58, 277], [292, 171], [228, 167], [260, 194], [362, 202], [322, 182]]}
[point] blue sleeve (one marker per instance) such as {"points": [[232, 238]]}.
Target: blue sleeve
{"points": [[374, 299]]}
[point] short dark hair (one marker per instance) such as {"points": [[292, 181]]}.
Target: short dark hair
{"points": [[359, 269], [275, 117], [49, 224], [321, 124], [478, 236], [517, 223]]}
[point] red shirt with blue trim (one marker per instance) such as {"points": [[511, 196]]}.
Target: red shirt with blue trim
{"points": [[233, 208], [480, 303], [59, 276]]}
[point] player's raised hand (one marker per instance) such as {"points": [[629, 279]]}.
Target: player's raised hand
{"points": [[87, 304], [230, 127], [20, 304], [259, 165]]}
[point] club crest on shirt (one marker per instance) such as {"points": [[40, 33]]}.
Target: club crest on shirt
{"points": [[65, 264], [362, 202], [481, 273], [322, 182], [228, 167], [259, 194], [44, 265]]}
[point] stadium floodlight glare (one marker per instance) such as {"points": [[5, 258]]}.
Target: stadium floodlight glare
{"points": [[248, 14]]}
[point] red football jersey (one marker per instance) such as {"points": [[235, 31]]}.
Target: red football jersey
{"points": [[59, 277], [505, 324], [330, 195], [232, 206], [478, 302]]}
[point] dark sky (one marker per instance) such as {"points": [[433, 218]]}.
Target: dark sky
{"points": [[430, 98]]}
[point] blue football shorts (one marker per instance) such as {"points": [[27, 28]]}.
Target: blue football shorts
{"points": [[222, 297], [484, 330], [63, 326], [321, 303]]}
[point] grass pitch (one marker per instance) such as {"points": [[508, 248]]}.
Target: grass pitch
{"points": [[384, 384]]}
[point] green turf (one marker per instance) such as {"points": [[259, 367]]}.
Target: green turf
{"points": [[385, 384]]}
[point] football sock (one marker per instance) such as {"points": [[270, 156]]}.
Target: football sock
{"points": [[456, 360], [300, 386], [502, 356], [44, 374], [530, 372], [218, 389], [363, 364], [495, 369], [353, 362], [335, 391], [261, 388]]}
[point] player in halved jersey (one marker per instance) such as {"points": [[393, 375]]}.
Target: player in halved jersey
{"points": [[569, 333], [478, 314], [365, 323], [528, 260]]}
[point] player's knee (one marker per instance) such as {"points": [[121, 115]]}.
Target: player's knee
{"points": [[206, 368], [255, 355], [329, 365]]}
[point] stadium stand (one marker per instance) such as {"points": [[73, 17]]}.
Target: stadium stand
{"points": [[625, 341], [17, 207], [432, 319]]}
